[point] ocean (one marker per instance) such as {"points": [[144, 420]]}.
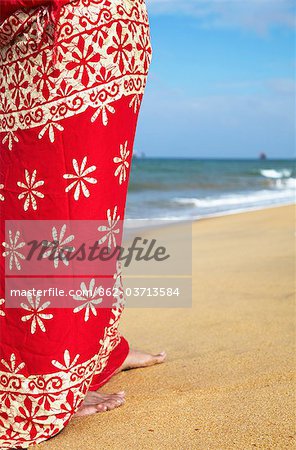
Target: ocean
{"points": [[183, 189]]}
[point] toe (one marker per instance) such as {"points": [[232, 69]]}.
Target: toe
{"points": [[86, 411], [161, 357], [155, 359], [114, 403], [101, 408]]}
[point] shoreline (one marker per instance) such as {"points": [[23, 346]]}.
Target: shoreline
{"points": [[241, 211], [163, 222]]}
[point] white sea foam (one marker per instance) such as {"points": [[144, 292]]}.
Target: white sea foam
{"points": [[280, 179], [254, 198], [290, 183], [276, 174]]}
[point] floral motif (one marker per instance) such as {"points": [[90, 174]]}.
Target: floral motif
{"points": [[67, 390], [89, 297], [2, 198], [29, 417], [13, 250], [65, 89], [123, 163], [83, 61], [46, 76], [111, 230], [103, 108], [118, 288], [2, 301], [135, 102], [30, 190], [10, 137], [72, 403], [59, 249], [105, 57], [36, 314], [11, 365], [104, 75], [80, 178], [50, 127], [18, 84], [145, 50], [29, 100], [121, 47], [67, 361]]}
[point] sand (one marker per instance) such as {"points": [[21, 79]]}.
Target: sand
{"points": [[228, 381]]}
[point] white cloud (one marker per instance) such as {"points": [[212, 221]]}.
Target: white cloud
{"points": [[255, 15]]}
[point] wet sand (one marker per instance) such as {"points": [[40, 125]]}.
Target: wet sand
{"points": [[228, 382]]}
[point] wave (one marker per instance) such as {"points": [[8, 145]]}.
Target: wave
{"points": [[236, 199], [276, 174], [280, 179]]}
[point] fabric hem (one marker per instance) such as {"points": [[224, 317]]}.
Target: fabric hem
{"points": [[123, 354]]}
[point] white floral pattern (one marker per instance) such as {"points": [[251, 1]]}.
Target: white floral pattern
{"points": [[36, 314], [10, 138], [135, 102], [50, 128], [67, 361], [80, 178], [122, 162], [30, 193], [67, 389], [110, 230], [89, 297], [13, 247], [2, 198], [58, 249], [101, 66], [103, 109], [118, 288], [2, 301], [11, 365]]}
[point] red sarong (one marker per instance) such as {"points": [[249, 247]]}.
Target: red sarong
{"points": [[70, 94]]}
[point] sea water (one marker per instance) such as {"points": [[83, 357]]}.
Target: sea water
{"points": [[183, 189]]}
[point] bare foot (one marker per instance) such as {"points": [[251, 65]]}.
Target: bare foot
{"points": [[136, 359], [95, 402]]}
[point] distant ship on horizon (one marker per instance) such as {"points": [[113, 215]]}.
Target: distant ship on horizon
{"points": [[137, 155], [262, 156]]}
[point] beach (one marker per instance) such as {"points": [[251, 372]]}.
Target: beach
{"points": [[228, 382]]}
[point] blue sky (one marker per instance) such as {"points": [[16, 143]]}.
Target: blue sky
{"points": [[222, 79]]}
